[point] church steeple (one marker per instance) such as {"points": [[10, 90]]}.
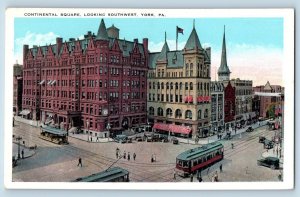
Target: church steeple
{"points": [[102, 32], [223, 71]]}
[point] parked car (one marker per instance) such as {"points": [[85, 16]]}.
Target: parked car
{"points": [[121, 138], [271, 162], [139, 139], [149, 139], [175, 140], [268, 144], [261, 139], [129, 140], [250, 129]]}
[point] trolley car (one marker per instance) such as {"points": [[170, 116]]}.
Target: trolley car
{"points": [[115, 174], [199, 158], [54, 135]]}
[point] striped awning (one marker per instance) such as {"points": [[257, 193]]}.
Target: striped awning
{"points": [[25, 112], [172, 128], [188, 99], [201, 99], [42, 82]]}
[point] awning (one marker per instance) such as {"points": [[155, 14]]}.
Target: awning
{"points": [[172, 128], [42, 82], [188, 99], [53, 82], [25, 112], [49, 82], [201, 99]]}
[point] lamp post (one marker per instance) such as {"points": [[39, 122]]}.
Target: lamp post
{"points": [[19, 139], [108, 127]]}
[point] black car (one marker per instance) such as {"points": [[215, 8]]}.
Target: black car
{"points": [[175, 141], [268, 144], [271, 162], [261, 139], [250, 129]]}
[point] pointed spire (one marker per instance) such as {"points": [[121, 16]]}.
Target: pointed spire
{"points": [[102, 33], [165, 36], [193, 41], [164, 50], [223, 70]]}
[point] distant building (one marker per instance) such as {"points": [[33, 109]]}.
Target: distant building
{"points": [[17, 88], [269, 105], [217, 106], [179, 89], [229, 106], [97, 83]]}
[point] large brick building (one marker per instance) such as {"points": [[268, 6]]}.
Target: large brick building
{"points": [[179, 89], [87, 83]]}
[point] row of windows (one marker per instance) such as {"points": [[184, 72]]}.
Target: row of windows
{"points": [[178, 113], [188, 86]]}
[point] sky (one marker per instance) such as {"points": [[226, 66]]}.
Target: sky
{"points": [[254, 45]]}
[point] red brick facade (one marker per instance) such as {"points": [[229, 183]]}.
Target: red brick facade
{"points": [[87, 83], [229, 103]]}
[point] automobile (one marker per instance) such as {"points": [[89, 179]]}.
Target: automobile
{"points": [[175, 140], [268, 144], [121, 138], [149, 139], [271, 162], [129, 140], [261, 139], [155, 138], [250, 129], [139, 139]]}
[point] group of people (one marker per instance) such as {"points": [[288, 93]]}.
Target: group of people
{"points": [[128, 156]]}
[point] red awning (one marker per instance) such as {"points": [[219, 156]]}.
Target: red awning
{"points": [[200, 99], [172, 128]]}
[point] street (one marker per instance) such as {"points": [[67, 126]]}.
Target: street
{"points": [[58, 163]]}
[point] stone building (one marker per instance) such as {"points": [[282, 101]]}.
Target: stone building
{"points": [[217, 106], [179, 89], [17, 88], [88, 83]]}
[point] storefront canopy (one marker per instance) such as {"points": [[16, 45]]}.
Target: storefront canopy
{"points": [[25, 112], [172, 128]]}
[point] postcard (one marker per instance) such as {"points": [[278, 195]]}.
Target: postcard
{"points": [[152, 99]]}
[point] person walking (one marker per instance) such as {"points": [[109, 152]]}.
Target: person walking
{"points": [[128, 156], [152, 159], [174, 173], [134, 156], [22, 153], [192, 177], [97, 139], [232, 146], [124, 155], [79, 162], [221, 168]]}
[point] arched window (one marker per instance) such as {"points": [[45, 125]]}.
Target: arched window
{"points": [[153, 85], [198, 70], [180, 85], [188, 114], [160, 112], [178, 113], [167, 85], [176, 86], [191, 85], [206, 113], [158, 85], [171, 86], [151, 111], [199, 114], [191, 69], [187, 70], [201, 86], [186, 86], [162, 86], [198, 86], [169, 112]]}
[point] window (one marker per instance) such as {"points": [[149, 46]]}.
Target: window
{"points": [[178, 113], [160, 112], [167, 85], [151, 111], [199, 114], [188, 114], [191, 86], [176, 86], [186, 86], [162, 86], [206, 113], [169, 112]]}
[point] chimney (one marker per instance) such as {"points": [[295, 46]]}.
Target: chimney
{"points": [[25, 51], [145, 44], [58, 44]]}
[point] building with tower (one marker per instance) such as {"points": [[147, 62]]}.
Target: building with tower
{"points": [[97, 83], [179, 89]]}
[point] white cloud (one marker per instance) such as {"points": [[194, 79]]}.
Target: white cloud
{"points": [[31, 38]]}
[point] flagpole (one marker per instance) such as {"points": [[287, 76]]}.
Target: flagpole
{"points": [[176, 38]]}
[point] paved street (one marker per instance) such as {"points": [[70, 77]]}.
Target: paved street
{"points": [[59, 162]]}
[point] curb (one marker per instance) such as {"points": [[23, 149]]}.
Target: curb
{"points": [[34, 152], [88, 141]]}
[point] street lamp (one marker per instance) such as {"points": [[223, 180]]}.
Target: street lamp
{"points": [[19, 139], [108, 127]]}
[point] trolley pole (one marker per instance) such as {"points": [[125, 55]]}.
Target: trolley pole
{"points": [[19, 139]]}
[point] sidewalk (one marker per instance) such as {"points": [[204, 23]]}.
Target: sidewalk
{"points": [[89, 138], [27, 152], [274, 153], [214, 138]]}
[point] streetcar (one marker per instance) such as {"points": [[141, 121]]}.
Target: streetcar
{"points": [[199, 158], [54, 135], [115, 174]]}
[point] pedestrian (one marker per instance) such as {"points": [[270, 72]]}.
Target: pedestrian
{"points": [[152, 159], [221, 168], [124, 155], [216, 177], [91, 138], [200, 179], [79, 162], [97, 140], [192, 177], [117, 155], [174, 173], [232, 145], [22, 153], [128, 156], [134, 156], [35, 147]]}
